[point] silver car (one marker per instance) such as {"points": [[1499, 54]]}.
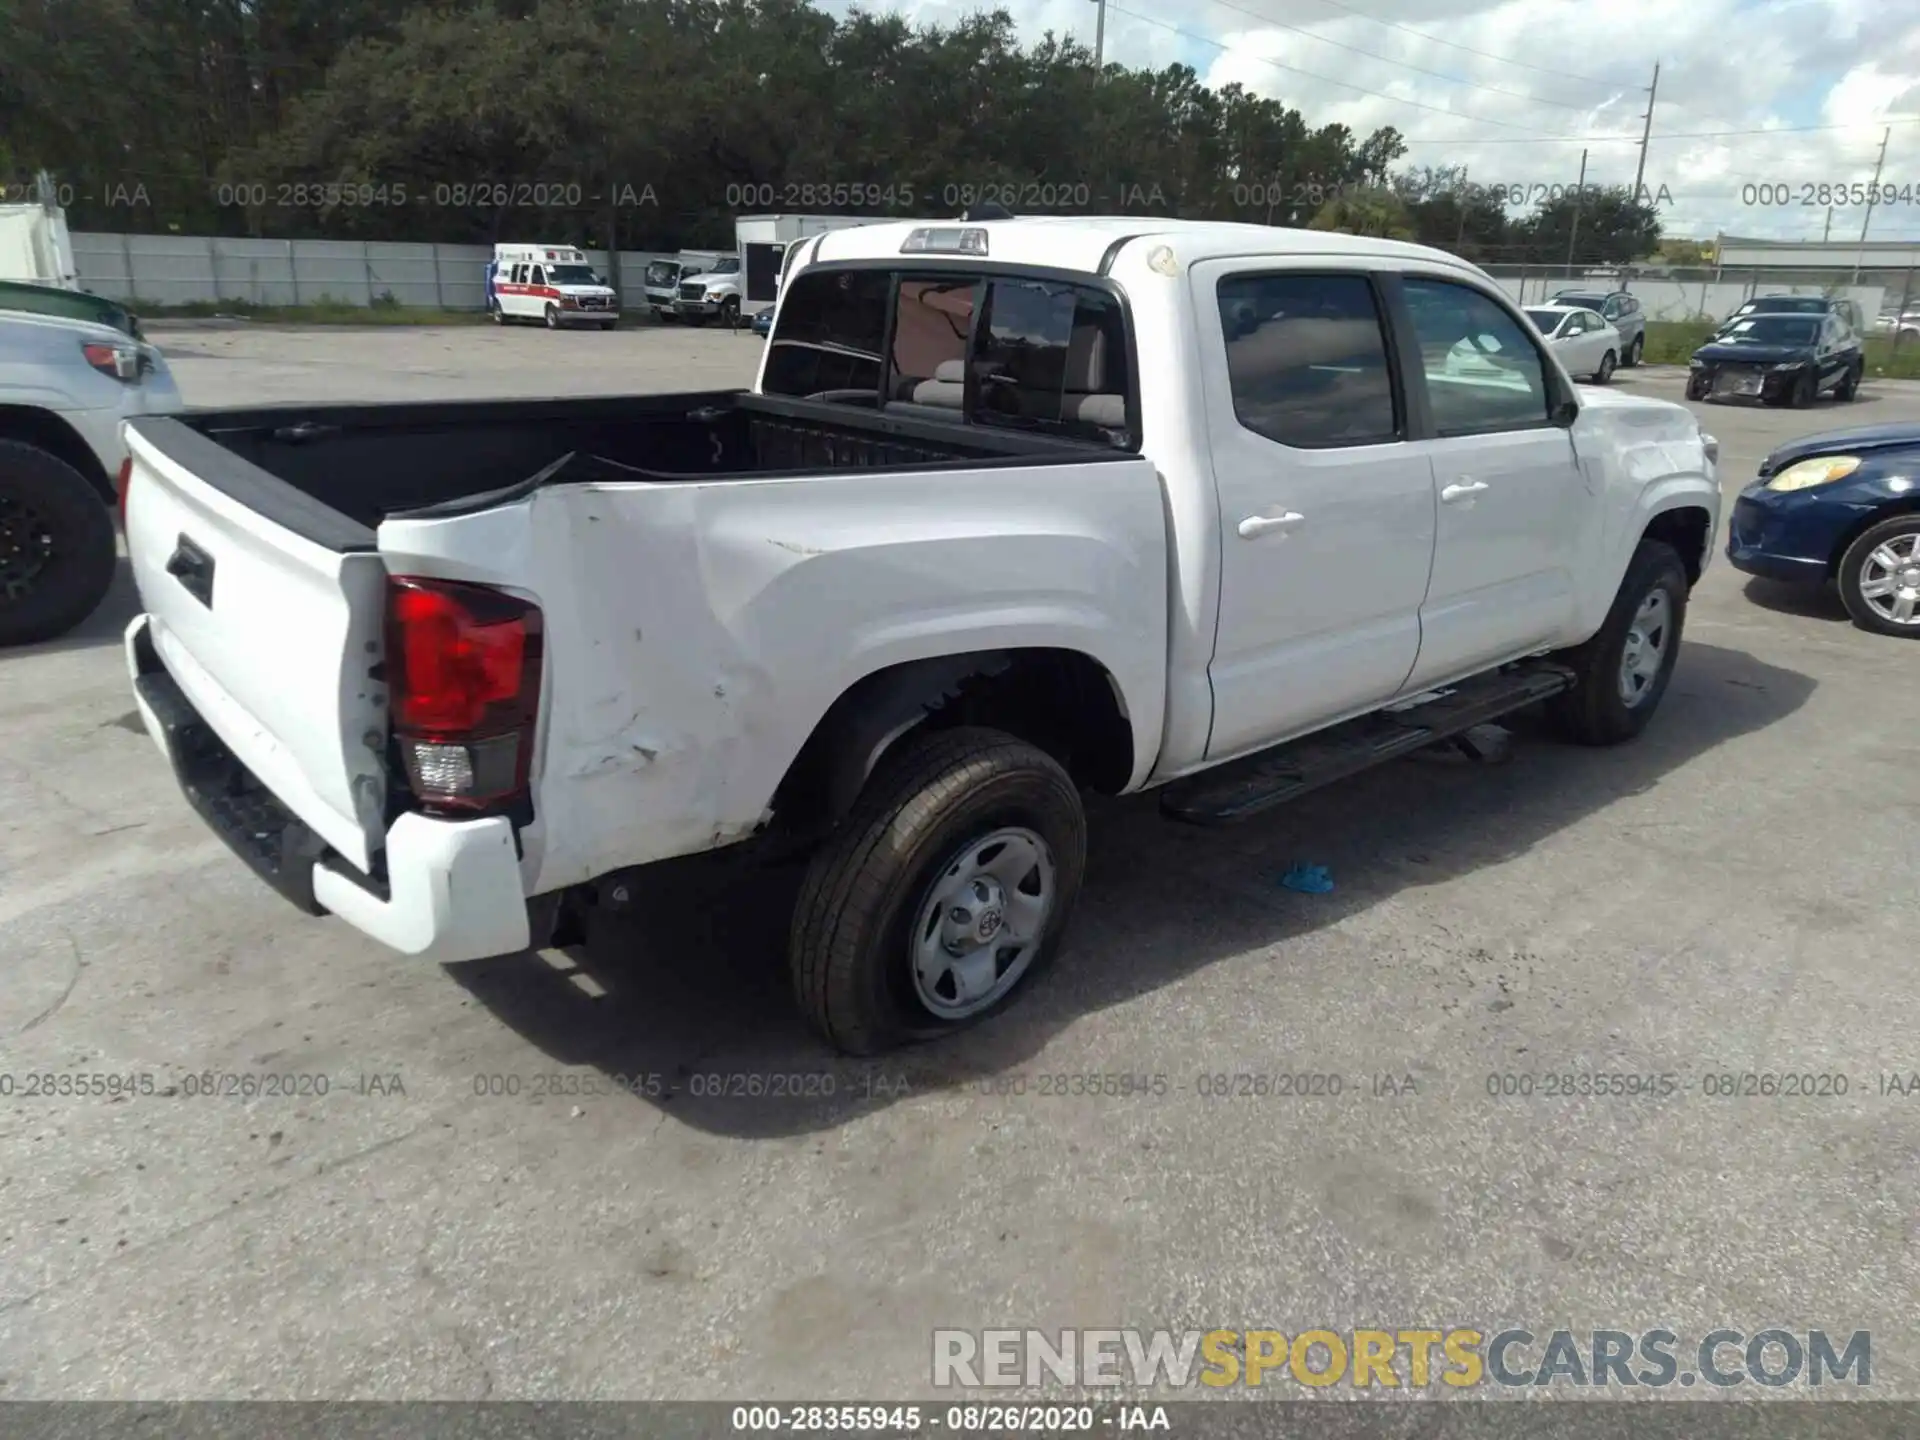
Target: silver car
{"points": [[1620, 310]]}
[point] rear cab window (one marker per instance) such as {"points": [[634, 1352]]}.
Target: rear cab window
{"points": [[1307, 359], [1000, 350]]}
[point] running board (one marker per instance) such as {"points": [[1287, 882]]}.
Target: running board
{"points": [[1246, 787]]}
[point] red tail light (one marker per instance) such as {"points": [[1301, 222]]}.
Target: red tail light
{"points": [[121, 484], [463, 672]]}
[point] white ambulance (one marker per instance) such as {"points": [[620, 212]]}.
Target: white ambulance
{"points": [[550, 283]]}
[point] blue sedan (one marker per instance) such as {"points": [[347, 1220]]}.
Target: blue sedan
{"points": [[763, 321], [1845, 507]]}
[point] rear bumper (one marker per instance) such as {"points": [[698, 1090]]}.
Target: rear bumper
{"points": [[450, 889]]}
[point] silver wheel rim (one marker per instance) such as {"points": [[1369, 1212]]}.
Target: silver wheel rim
{"points": [[1890, 579], [981, 923], [1648, 640]]}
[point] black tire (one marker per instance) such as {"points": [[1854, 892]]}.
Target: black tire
{"points": [[1849, 385], [1696, 389], [1605, 373], [1851, 573], [553, 316], [730, 312], [849, 948], [1594, 712], [1806, 390], [1632, 357], [608, 324], [57, 552]]}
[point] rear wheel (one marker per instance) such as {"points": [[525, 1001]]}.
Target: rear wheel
{"points": [[1622, 672], [944, 891], [1880, 578], [1605, 372], [1633, 352], [56, 545]]}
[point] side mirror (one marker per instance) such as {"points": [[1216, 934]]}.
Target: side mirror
{"points": [[1566, 412]]}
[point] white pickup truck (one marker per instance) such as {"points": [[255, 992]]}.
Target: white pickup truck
{"points": [[1015, 511], [66, 384]]}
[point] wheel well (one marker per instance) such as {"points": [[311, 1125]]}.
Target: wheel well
{"points": [[1062, 701], [46, 431], [1685, 529], [1905, 505]]}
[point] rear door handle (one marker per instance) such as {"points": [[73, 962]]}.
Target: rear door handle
{"points": [[1254, 526], [1464, 490]]}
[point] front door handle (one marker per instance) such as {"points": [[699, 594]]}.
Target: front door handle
{"points": [[1465, 490], [1254, 526]]}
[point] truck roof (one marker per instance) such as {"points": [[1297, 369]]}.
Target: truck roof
{"points": [[1081, 242]]}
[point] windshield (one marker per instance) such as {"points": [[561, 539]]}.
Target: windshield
{"points": [[662, 272], [729, 266], [1773, 330], [573, 275], [1545, 321]]}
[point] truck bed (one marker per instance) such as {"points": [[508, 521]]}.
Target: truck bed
{"points": [[332, 473]]}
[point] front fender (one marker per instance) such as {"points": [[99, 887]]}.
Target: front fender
{"points": [[1643, 458]]}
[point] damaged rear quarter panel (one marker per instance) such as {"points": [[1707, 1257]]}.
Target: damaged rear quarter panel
{"points": [[696, 632]]}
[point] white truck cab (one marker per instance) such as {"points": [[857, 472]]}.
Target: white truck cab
{"points": [[711, 293], [552, 284], [1016, 511]]}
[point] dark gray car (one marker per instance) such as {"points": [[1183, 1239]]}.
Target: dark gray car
{"points": [[1620, 310]]}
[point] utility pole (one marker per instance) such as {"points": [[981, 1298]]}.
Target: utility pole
{"points": [[1646, 134], [1579, 196], [1466, 198], [1100, 36], [1827, 234], [1873, 193]]}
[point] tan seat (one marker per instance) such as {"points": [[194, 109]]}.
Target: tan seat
{"points": [[947, 389]]}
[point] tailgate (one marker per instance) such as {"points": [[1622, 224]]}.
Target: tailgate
{"points": [[266, 610]]}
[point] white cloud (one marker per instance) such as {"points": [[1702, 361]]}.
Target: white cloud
{"points": [[1726, 65]]}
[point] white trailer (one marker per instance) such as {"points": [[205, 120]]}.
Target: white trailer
{"points": [[762, 241], [35, 246]]}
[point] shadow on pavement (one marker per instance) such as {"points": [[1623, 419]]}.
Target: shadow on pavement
{"points": [[695, 992], [105, 626], [1807, 602]]}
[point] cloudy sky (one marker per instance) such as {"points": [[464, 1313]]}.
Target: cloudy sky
{"points": [[1499, 88]]}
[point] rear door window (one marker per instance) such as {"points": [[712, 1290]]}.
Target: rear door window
{"points": [[1307, 359]]}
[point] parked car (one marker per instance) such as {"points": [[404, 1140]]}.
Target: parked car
{"points": [[1620, 310], [1779, 359], [1904, 323], [763, 322], [1845, 310], [1014, 511], [31, 299], [65, 386], [1586, 344], [1840, 508]]}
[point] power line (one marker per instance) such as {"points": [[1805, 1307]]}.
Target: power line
{"points": [[1676, 135], [1268, 20], [1312, 75], [1483, 54]]}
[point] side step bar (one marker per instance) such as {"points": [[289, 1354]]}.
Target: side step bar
{"points": [[1246, 787]]}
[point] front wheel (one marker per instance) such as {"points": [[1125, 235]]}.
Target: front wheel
{"points": [[553, 317], [1622, 672], [1849, 385], [944, 891], [1633, 352], [57, 551], [1805, 390], [730, 313], [1605, 372], [1880, 578]]}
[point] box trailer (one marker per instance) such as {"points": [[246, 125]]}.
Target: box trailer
{"points": [[763, 240], [35, 246]]}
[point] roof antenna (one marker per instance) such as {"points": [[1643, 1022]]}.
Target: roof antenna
{"points": [[986, 210]]}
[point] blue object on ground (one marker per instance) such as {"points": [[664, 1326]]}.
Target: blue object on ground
{"points": [[1309, 880]]}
